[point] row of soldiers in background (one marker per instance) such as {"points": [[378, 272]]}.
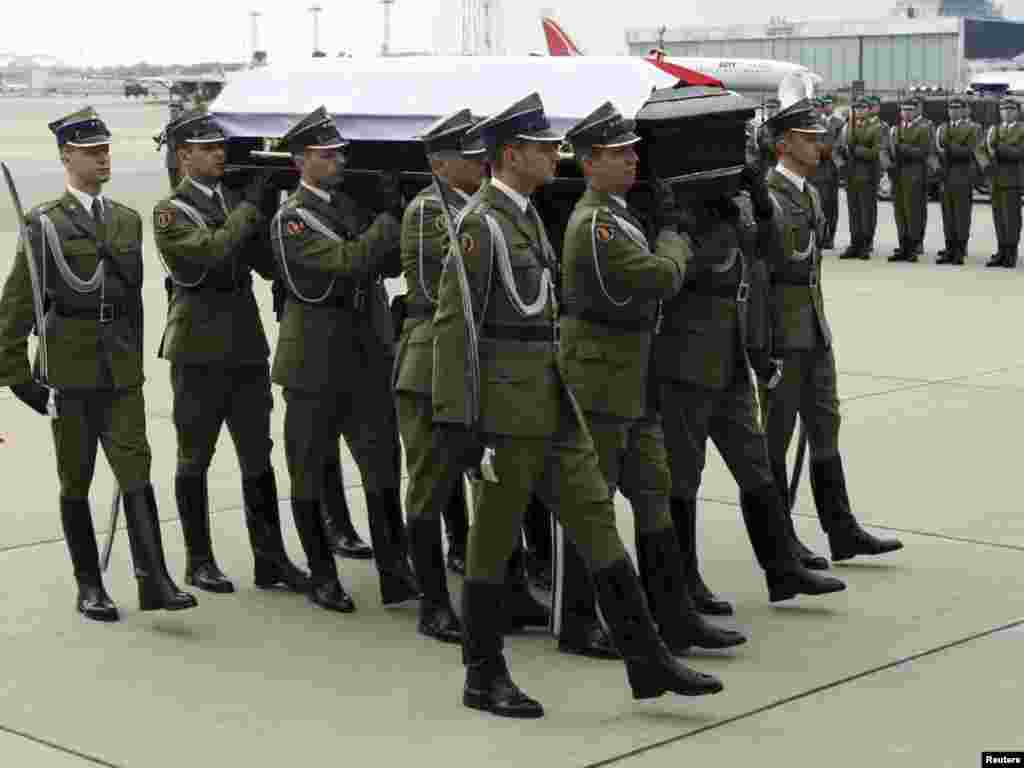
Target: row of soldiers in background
{"points": [[626, 401], [960, 151]]}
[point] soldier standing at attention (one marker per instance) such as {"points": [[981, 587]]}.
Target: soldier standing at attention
{"points": [[826, 175], [956, 143], [1005, 148], [210, 243], [531, 431], [911, 145], [328, 353], [435, 465], [862, 143], [801, 337], [86, 271], [612, 284]]}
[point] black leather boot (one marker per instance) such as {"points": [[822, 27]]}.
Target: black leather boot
{"points": [[538, 531], [93, 602], [947, 255], [853, 251], [1010, 260], [325, 588], [437, 619], [387, 532], [961, 253], [576, 624], [156, 590], [684, 519], [201, 569], [652, 670], [456, 528], [997, 258], [805, 555], [522, 609], [342, 536], [785, 574], [272, 567], [900, 251], [661, 573], [489, 686], [845, 536]]}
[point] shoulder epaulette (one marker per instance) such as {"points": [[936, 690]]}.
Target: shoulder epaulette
{"points": [[46, 207]]}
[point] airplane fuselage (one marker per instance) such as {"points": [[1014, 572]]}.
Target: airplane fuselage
{"points": [[743, 74]]}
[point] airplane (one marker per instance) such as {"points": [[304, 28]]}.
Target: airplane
{"points": [[997, 82], [737, 74]]}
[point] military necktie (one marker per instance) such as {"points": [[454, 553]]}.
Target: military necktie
{"points": [[97, 217]]}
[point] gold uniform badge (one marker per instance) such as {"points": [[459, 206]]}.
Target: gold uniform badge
{"points": [[604, 233]]}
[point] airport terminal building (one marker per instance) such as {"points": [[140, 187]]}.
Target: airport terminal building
{"points": [[933, 45]]}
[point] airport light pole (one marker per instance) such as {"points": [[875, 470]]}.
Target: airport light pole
{"points": [[315, 11]]}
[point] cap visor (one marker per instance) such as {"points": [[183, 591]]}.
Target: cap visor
{"points": [[207, 140], [98, 141], [624, 140], [815, 129], [545, 134], [334, 145]]}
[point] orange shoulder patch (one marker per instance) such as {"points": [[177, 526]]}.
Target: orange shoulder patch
{"points": [[164, 218], [295, 227], [604, 233]]}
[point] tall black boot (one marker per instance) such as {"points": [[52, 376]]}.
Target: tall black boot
{"points": [[194, 510], [263, 521], [997, 258], [488, 684], [325, 589], [456, 529], [387, 531], [786, 575], [661, 573], [961, 252], [156, 590], [948, 254], [805, 555], [853, 250], [437, 619], [522, 609], [342, 536], [652, 670], [93, 602], [845, 536], [538, 531], [684, 519], [1010, 259], [576, 623]]}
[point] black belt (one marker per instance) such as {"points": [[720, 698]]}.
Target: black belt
{"points": [[220, 286], [103, 313], [740, 293], [810, 282], [519, 332], [615, 321]]}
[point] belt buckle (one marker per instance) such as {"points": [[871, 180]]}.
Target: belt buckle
{"points": [[743, 293], [106, 313], [814, 278]]}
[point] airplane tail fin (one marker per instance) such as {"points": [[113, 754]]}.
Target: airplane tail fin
{"points": [[559, 43], [684, 74]]}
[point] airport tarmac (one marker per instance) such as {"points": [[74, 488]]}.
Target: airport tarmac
{"points": [[918, 663]]}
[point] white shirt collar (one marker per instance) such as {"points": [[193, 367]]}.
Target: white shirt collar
{"points": [[620, 200], [325, 196], [798, 181], [86, 199], [521, 201]]}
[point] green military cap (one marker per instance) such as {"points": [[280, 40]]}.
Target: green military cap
{"points": [[523, 121], [196, 126], [83, 128], [315, 131], [447, 134], [826, 100], [799, 116], [861, 103], [605, 127]]}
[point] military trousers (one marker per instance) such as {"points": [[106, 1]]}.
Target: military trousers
{"points": [[808, 387], [313, 423], [692, 413], [862, 207], [89, 418], [910, 202], [435, 458], [1006, 215], [564, 472], [208, 396], [957, 205]]}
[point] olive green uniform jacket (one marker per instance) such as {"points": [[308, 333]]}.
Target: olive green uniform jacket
{"points": [[1004, 147], [956, 143], [912, 147]]}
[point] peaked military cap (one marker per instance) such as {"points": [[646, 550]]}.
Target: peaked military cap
{"points": [[315, 131], [861, 103], [195, 127], [523, 121], [910, 103], [472, 143], [799, 116], [605, 127], [1009, 102], [83, 128], [957, 103], [826, 100], [447, 134]]}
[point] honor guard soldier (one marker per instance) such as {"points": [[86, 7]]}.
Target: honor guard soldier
{"points": [[801, 338], [1004, 146], [612, 284], [531, 431], [434, 463], [77, 278], [211, 240], [862, 143], [328, 355], [826, 175], [956, 143], [911, 146]]}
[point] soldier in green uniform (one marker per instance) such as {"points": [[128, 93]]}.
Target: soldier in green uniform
{"points": [[82, 267], [862, 143], [612, 284], [1004, 148], [329, 356], [956, 143], [801, 337], [210, 242], [531, 432], [826, 175], [911, 145]]}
